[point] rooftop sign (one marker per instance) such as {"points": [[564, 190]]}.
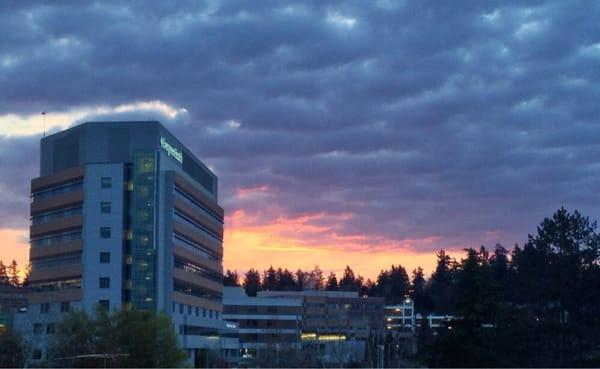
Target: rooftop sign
{"points": [[171, 151]]}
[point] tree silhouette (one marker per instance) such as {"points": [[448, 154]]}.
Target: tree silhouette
{"points": [[332, 283], [418, 291], [315, 279], [231, 279], [269, 280], [3, 275], [439, 286], [13, 273], [252, 282]]}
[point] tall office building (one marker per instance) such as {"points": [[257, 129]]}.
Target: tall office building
{"points": [[123, 214]]}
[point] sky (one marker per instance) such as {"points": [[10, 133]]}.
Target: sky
{"points": [[366, 133]]}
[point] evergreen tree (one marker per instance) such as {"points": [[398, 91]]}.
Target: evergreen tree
{"points": [[269, 280], [302, 279], [3, 276], [501, 272], [439, 286], [26, 277], [252, 282], [13, 273], [231, 279], [392, 284], [316, 280], [349, 281], [286, 281], [332, 283], [418, 292], [474, 289], [368, 288], [537, 308], [556, 270]]}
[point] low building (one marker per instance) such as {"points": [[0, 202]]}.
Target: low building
{"points": [[400, 318], [13, 300], [266, 326], [434, 321], [336, 325]]}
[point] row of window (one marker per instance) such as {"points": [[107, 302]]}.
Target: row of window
{"points": [[180, 194], [56, 285], [65, 307], [38, 328], [195, 310], [105, 208], [190, 222], [197, 269], [56, 238], [56, 262], [105, 233], [55, 214], [56, 190], [195, 247], [105, 182], [197, 291]]}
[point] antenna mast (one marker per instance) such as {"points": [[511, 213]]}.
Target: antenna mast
{"points": [[44, 114]]}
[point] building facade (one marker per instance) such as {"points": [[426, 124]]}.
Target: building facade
{"points": [[266, 326], [124, 215], [336, 325], [400, 318]]}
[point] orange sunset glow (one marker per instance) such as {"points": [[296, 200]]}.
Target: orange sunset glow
{"points": [[15, 246], [305, 241]]}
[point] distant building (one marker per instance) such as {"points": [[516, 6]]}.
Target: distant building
{"points": [[265, 325], [13, 300], [434, 321], [123, 214], [336, 325], [400, 318], [400, 326]]}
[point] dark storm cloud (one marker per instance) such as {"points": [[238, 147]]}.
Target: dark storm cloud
{"points": [[465, 121]]}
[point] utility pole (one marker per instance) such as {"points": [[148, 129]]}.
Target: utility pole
{"points": [[380, 350]]}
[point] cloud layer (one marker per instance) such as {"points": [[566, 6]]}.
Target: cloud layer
{"points": [[409, 126]]}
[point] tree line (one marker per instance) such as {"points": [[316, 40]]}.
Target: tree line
{"points": [[9, 274], [537, 305], [393, 284]]}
